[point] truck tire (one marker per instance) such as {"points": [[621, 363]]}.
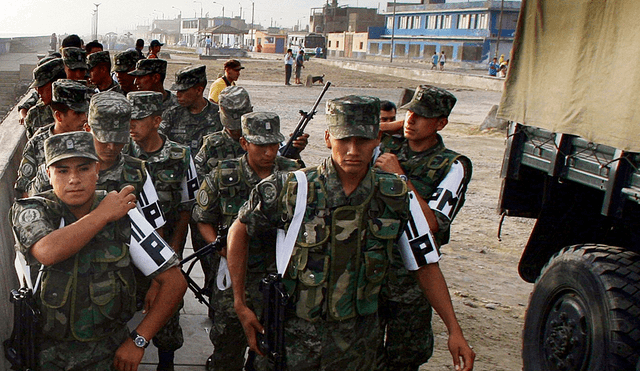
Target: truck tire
{"points": [[584, 312]]}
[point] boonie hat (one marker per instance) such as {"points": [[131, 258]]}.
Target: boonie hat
{"points": [[71, 93], [189, 77], [144, 103], [67, 145], [234, 102], [261, 128], [110, 117], [354, 116], [431, 101]]}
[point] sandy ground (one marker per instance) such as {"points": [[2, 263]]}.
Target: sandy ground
{"points": [[488, 295]]}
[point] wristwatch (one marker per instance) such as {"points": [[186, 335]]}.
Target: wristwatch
{"points": [[139, 340], [403, 177]]}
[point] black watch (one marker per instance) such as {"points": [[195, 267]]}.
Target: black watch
{"points": [[139, 340], [403, 177]]}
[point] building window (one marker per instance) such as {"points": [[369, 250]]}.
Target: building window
{"points": [[446, 21], [373, 48], [472, 20], [431, 22], [483, 21], [403, 22], [361, 45], [390, 22], [386, 49], [337, 44], [463, 21], [417, 22], [329, 44]]}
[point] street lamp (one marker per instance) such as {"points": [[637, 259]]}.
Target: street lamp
{"points": [[200, 7], [180, 15], [222, 10]]}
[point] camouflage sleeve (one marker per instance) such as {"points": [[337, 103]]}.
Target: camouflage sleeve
{"points": [[30, 224], [262, 211], [30, 102], [200, 160], [28, 167], [207, 207], [167, 119]]}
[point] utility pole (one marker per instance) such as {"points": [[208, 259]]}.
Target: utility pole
{"points": [[499, 28], [95, 15], [393, 30]]}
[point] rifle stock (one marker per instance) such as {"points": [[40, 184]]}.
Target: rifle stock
{"points": [[275, 298], [21, 349]]}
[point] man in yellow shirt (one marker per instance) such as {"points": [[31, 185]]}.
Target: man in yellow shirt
{"points": [[232, 69]]}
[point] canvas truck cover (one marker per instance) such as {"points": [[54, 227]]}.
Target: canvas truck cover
{"points": [[575, 69]]}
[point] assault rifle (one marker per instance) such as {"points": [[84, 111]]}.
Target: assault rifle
{"points": [[288, 150], [21, 349], [275, 302], [217, 245]]}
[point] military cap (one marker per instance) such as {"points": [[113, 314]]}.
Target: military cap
{"points": [[125, 61], [71, 93], [261, 128], [234, 102], [149, 66], [234, 64], [155, 43], [430, 101], [144, 103], [98, 57], [68, 145], [189, 77], [46, 72], [110, 117], [47, 59], [354, 116], [74, 58]]}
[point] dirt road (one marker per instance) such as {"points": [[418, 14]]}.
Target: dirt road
{"points": [[488, 295]]}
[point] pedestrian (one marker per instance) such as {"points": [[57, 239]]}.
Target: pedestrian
{"points": [[504, 66], [154, 49], [493, 67], [432, 173], [443, 60], [288, 65], [139, 47], [434, 61], [232, 69], [501, 59], [81, 238], [219, 201], [299, 65], [349, 221], [318, 52], [53, 43]]}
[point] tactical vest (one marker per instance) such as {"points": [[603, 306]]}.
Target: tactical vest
{"points": [[92, 294], [168, 176], [218, 148], [341, 255]]}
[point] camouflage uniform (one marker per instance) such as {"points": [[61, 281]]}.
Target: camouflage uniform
{"points": [[86, 300], [75, 58], [234, 102], [149, 66], [40, 114], [405, 312], [342, 252], [30, 102], [70, 93]]}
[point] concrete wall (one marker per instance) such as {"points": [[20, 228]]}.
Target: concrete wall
{"points": [[12, 137]]}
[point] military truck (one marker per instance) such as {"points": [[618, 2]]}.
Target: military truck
{"points": [[572, 161]]}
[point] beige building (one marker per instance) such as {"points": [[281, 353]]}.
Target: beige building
{"points": [[347, 44]]}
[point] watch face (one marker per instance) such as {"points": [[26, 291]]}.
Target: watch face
{"points": [[140, 342]]}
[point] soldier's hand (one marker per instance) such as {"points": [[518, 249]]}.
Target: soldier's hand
{"points": [[117, 204], [128, 356], [251, 327], [23, 115], [389, 163], [463, 355], [301, 142], [223, 252]]}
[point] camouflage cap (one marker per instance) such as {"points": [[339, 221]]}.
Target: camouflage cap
{"points": [[149, 66], [67, 145], [110, 117], [71, 93], [189, 76], [74, 58], [261, 128], [47, 72], [234, 102], [98, 57], [430, 101], [354, 116], [46, 59], [125, 61], [145, 103]]}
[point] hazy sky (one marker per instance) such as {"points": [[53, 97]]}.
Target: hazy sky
{"points": [[43, 17]]}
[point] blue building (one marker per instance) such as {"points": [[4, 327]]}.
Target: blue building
{"points": [[466, 31]]}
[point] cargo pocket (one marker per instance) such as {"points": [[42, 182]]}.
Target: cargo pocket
{"points": [[311, 286], [55, 307]]}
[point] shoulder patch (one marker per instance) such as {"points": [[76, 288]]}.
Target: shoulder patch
{"points": [[202, 198], [28, 216], [177, 153], [268, 191]]}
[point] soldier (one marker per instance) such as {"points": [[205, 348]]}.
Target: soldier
{"points": [[149, 76], [34, 97], [80, 237], [109, 121], [438, 177], [43, 77], [194, 117], [125, 62], [75, 63], [222, 193], [70, 104], [232, 69], [99, 64], [175, 180], [352, 218], [93, 47]]}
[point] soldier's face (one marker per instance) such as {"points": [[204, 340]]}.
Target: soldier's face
{"points": [[260, 156], [107, 152], [126, 81], [45, 92], [74, 180], [145, 82], [142, 130], [351, 155], [420, 128], [388, 116], [187, 98], [79, 74], [98, 75], [72, 120]]}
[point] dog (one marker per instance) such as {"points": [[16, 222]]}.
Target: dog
{"points": [[313, 79]]}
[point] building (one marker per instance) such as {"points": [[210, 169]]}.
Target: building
{"points": [[167, 31], [333, 18], [272, 40], [466, 31], [351, 44], [192, 30]]}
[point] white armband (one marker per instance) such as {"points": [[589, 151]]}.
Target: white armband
{"points": [[149, 205], [190, 183], [446, 197], [417, 245], [149, 252]]}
